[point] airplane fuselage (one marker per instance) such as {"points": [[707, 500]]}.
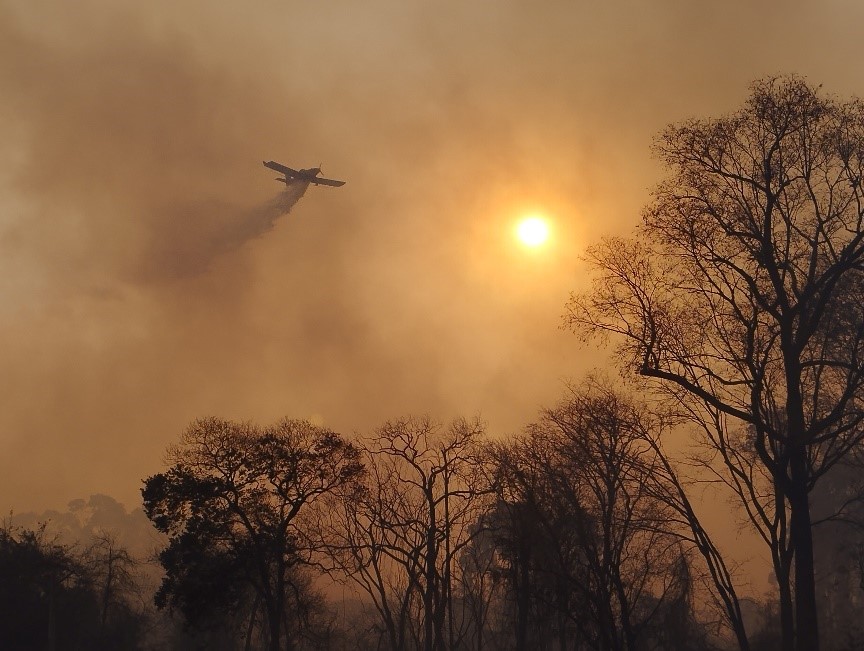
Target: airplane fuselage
{"points": [[309, 175]]}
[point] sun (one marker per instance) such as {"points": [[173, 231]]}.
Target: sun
{"points": [[532, 231]]}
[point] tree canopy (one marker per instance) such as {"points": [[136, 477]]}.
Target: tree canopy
{"points": [[235, 506]]}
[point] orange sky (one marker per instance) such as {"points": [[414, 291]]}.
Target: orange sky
{"points": [[134, 295]]}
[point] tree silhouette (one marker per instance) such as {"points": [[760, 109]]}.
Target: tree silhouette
{"points": [[399, 539], [585, 536], [743, 296], [52, 597], [235, 507], [112, 573]]}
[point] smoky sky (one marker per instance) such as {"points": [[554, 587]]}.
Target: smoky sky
{"points": [[153, 272]]}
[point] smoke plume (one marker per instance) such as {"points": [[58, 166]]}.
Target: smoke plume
{"points": [[200, 232]]}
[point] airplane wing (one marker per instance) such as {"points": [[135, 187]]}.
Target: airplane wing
{"points": [[279, 167], [321, 181], [301, 175]]}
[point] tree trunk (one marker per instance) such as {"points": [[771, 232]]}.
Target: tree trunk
{"points": [[448, 579], [801, 533], [274, 621], [523, 595], [276, 611], [787, 621], [807, 630], [431, 558], [106, 595], [251, 628], [563, 608], [52, 617], [781, 557]]}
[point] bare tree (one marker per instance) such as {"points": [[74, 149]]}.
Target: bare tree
{"points": [[745, 290], [666, 485], [399, 540], [112, 569]]}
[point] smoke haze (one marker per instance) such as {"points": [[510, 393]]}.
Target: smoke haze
{"points": [[149, 276], [196, 234]]}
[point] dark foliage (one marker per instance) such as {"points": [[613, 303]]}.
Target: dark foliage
{"points": [[237, 507], [51, 599]]}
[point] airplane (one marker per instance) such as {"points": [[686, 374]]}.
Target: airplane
{"points": [[307, 176]]}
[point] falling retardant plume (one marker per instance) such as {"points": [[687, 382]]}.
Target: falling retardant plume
{"points": [[200, 232]]}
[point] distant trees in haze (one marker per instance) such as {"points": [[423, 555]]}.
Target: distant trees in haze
{"points": [[57, 596], [589, 551], [838, 535]]}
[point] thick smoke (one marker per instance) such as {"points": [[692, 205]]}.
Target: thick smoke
{"points": [[148, 278]]}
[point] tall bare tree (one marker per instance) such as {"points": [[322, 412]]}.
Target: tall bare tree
{"points": [[666, 485], [744, 290], [399, 540], [112, 570]]}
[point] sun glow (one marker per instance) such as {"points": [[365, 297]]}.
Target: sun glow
{"points": [[532, 231]]}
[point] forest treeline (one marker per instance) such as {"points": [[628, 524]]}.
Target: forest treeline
{"points": [[576, 534], [736, 319]]}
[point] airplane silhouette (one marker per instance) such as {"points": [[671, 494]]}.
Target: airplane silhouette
{"points": [[307, 176]]}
